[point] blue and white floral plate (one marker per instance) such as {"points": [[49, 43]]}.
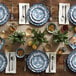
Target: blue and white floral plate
{"points": [[38, 14], [3, 61], [4, 14], [37, 61], [71, 61], [72, 14]]}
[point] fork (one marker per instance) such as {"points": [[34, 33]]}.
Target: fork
{"points": [[22, 18], [52, 62]]}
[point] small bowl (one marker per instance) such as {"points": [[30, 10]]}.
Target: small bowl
{"points": [[51, 28], [20, 53]]}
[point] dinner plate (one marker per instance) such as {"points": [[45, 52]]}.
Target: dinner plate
{"points": [[72, 14], [3, 62], [4, 14], [73, 22], [37, 61], [71, 61], [38, 14]]}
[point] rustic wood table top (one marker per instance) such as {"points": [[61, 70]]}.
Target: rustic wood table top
{"points": [[53, 7]]}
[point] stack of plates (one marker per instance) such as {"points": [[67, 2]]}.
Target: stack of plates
{"points": [[38, 14], [4, 14], [71, 61], [37, 61], [72, 14], [3, 62]]}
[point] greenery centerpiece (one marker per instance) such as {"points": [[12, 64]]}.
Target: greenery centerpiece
{"points": [[37, 38], [17, 37], [60, 37]]}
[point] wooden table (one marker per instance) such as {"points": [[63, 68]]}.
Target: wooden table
{"points": [[53, 6]]}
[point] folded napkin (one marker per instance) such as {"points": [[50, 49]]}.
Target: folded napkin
{"points": [[52, 62], [23, 8], [11, 62], [63, 13]]}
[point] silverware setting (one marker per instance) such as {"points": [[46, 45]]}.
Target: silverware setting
{"points": [[23, 13], [64, 16], [11, 61], [51, 61]]}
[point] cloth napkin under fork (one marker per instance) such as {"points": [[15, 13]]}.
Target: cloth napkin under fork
{"points": [[23, 8], [52, 62], [63, 13], [11, 62]]}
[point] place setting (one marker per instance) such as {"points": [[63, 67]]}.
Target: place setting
{"points": [[23, 8], [11, 62], [63, 13]]}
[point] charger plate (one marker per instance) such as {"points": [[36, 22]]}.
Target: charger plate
{"points": [[37, 61], [72, 14], [71, 61], [38, 14], [4, 14], [3, 61]]}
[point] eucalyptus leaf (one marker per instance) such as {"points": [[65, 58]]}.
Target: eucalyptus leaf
{"points": [[38, 37], [17, 37]]}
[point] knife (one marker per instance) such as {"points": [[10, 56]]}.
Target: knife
{"points": [[52, 57]]}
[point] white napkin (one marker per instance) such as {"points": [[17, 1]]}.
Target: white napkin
{"points": [[52, 64], [11, 62], [23, 8], [63, 13]]}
